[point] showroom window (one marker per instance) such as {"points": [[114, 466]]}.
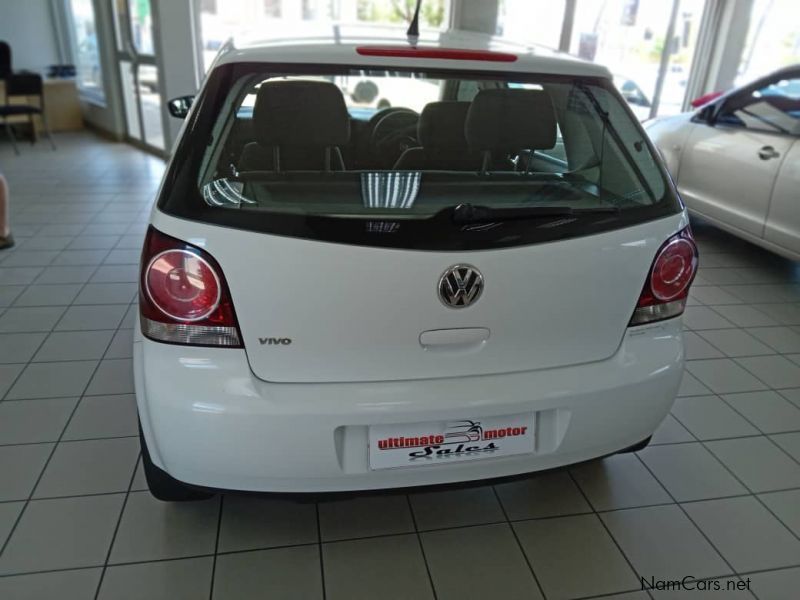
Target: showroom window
{"points": [[773, 39], [531, 21], [272, 9], [286, 18], [630, 38], [399, 12], [85, 49]]}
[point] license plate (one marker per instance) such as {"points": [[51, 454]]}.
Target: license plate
{"points": [[418, 444]]}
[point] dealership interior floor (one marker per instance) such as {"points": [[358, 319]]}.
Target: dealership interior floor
{"points": [[716, 495]]}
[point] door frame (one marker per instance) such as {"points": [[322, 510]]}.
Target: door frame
{"points": [[125, 50]]}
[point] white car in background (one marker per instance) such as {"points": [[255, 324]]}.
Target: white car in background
{"points": [[736, 160], [334, 301]]}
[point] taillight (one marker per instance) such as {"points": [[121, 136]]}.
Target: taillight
{"points": [[183, 297], [667, 286]]}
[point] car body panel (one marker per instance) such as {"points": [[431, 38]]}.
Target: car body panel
{"points": [[356, 313], [209, 421], [669, 135], [340, 48], [722, 176], [783, 218]]}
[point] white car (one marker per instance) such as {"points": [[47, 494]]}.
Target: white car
{"points": [[736, 161], [332, 301]]}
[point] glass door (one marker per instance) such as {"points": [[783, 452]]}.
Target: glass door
{"points": [[136, 56], [648, 45]]}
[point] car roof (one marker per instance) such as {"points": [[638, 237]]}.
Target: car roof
{"points": [[339, 45]]}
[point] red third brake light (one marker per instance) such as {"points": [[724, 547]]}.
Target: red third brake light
{"points": [[442, 53], [183, 297], [667, 286]]}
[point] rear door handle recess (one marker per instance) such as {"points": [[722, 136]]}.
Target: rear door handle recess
{"points": [[768, 152], [444, 340]]}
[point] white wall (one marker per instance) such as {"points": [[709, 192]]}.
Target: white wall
{"points": [[27, 25]]}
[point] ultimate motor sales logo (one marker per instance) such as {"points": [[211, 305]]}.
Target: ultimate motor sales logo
{"points": [[461, 437]]}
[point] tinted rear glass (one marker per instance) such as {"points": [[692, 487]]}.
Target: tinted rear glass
{"points": [[401, 158]]}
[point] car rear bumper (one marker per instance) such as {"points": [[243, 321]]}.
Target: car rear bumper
{"points": [[208, 421]]}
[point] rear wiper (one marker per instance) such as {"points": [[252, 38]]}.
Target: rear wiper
{"points": [[470, 213]]}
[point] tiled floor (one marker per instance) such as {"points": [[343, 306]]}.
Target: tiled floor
{"points": [[716, 496]]}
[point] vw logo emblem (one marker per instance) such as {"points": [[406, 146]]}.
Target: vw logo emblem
{"points": [[460, 286]]}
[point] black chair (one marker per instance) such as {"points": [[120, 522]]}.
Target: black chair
{"points": [[5, 59], [5, 71], [24, 84]]}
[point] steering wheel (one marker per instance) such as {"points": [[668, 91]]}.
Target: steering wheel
{"points": [[393, 132]]}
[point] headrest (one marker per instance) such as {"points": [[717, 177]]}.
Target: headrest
{"points": [[511, 120], [441, 125], [300, 113]]}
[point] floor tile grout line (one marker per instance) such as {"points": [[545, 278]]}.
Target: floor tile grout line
{"points": [[421, 547], [686, 514], [305, 545], [49, 331], [116, 528], [73, 395], [59, 254], [19, 375], [38, 480], [725, 354], [753, 493], [319, 550], [310, 544], [614, 594], [133, 474], [52, 451], [714, 439], [768, 345], [447, 528], [769, 388], [520, 547], [736, 325], [67, 360], [53, 328], [795, 403], [67, 441], [764, 434], [80, 291], [67, 496], [216, 543], [591, 505]]}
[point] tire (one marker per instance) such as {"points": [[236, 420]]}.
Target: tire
{"points": [[636, 447], [163, 486]]}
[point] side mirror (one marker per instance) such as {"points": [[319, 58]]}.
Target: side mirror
{"points": [[709, 113], [179, 107], [636, 98]]}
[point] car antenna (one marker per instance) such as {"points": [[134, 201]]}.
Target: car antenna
{"points": [[413, 28]]}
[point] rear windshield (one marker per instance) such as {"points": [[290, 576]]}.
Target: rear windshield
{"points": [[417, 159]]}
